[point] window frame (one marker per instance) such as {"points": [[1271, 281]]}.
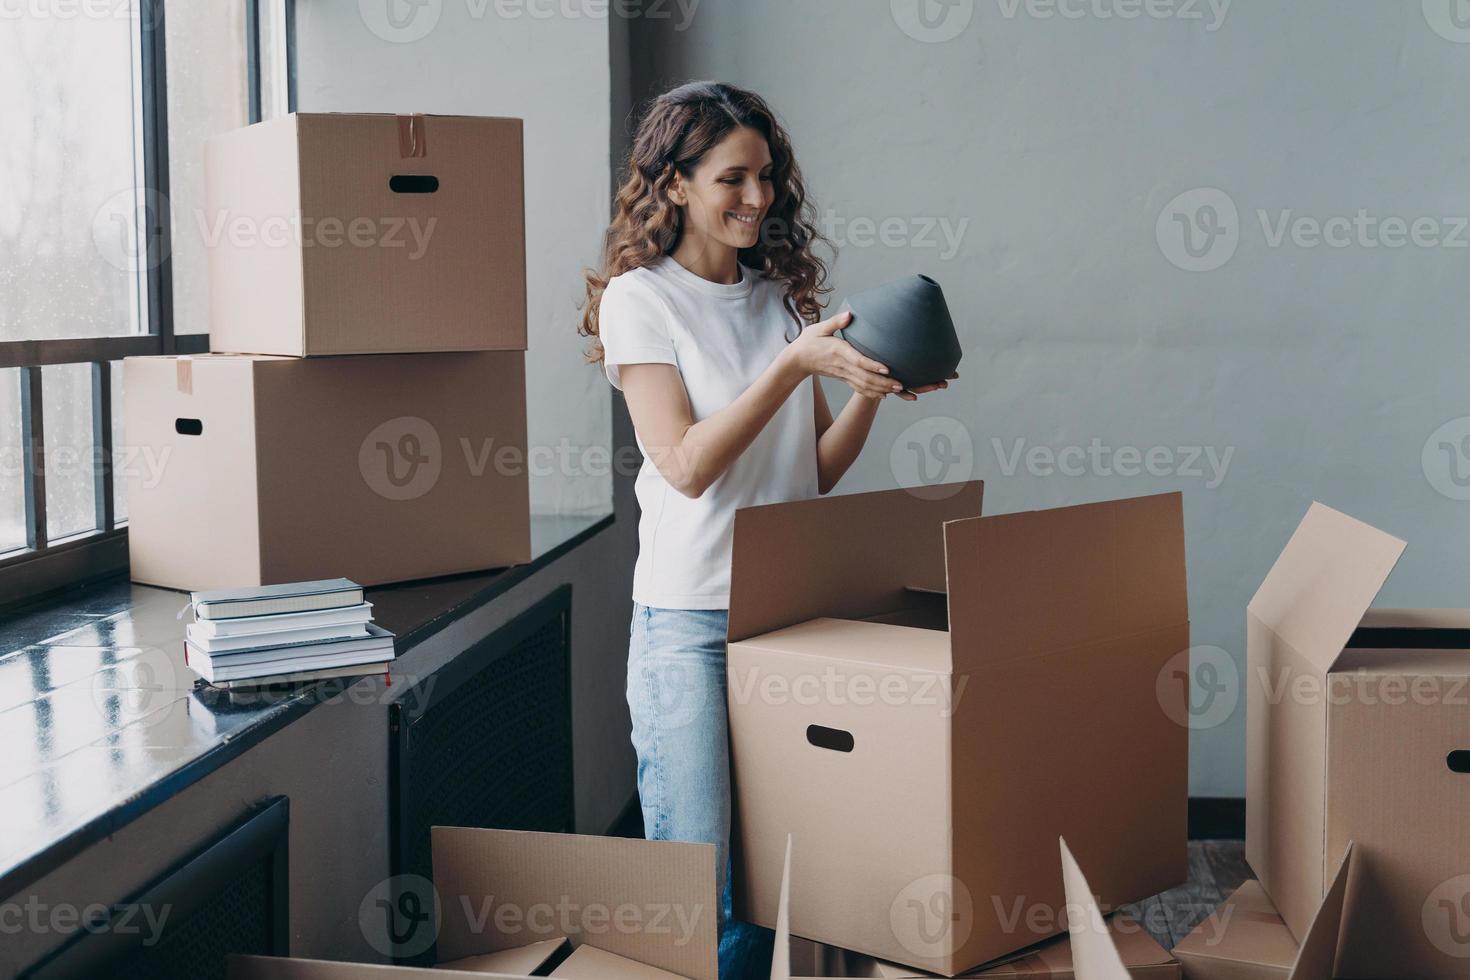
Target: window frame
{"points": [[44, 567]]}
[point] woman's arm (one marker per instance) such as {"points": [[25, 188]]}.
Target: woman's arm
{"points": [[839, 442], [692, 455]]}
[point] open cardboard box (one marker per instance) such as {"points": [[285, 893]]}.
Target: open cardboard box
{"points": [[365, 233], [926, 698], [1245, 939], [1092, 950], [1357, 730], [518, 904]]}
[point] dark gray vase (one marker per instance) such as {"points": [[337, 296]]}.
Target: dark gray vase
{"points": [[906, 325]]}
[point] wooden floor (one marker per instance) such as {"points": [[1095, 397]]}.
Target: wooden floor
{"points": [[1216, 868]]}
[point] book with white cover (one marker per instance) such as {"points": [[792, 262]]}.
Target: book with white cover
{"points": [[230, 672], [213, 645], [262, 600], [243, 625], [378, 642], [304, 676]]}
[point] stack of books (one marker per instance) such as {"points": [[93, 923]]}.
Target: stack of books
{"points": [[278, 634]]}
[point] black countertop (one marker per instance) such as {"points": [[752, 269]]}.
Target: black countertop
{"points": [[100, 720]]}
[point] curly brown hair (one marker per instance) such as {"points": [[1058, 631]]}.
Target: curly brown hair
{"points": [[675, 132]]}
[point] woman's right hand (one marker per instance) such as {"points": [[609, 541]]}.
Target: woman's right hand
{"points": [[817, 351]]}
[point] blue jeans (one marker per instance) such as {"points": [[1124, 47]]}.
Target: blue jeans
{"points": [[676, 695]]}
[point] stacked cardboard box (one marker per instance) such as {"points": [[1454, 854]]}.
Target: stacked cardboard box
{"points": [[286, 454], [927, 725]]}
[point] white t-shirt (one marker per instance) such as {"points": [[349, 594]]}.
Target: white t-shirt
{"points": [[720, 337]]}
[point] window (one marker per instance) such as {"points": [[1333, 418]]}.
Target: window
{"points": [[101, 249]]}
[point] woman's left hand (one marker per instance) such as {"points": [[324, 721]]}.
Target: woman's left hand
{"points": [[912, 394]]}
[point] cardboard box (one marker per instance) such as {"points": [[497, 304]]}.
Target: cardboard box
{"points": [[1356, 720], [247, 470], [1144, 958], [340, 233], [1245, 939], [926, 721], [1092, 943]]}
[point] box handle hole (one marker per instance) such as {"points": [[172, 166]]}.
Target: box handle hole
{"points": [[829, 738], [1458, 761], [413, 183], [189, 427]]}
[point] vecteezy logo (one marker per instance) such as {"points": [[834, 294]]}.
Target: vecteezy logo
{"points": [[1446, 458], [400, 916], [932, 916], [142, 689], [400, 21], [1446, 917], [934, 451], [932, 21], [1199, 230], [1199, 688], [401, 458], [127, 229], [1450, 19]]}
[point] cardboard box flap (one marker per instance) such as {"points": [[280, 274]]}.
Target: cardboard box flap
{"points": [[1094, 957], [1318, 955], [567, 884], [1041, 581], [591, 963], [781, 949], [806, 559], [1245, 928], [1323, 583], [242, 967], [521, 961]]}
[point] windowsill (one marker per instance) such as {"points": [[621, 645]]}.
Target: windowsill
{"points": [[102, 721]]}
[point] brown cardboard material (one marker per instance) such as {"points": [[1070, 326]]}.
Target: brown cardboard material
{"points": [[1352, 718], [1143, 958], [1030, 708], [528, 960], [649, 901], [313, 252], [591, 963], [242, 967], [288, 478], [1245, 939]]}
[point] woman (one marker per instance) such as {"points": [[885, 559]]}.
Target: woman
{"points": [[708, 277]]}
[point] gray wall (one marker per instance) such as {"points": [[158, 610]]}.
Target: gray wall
{"points": [[1053, 147], [507, 59]]}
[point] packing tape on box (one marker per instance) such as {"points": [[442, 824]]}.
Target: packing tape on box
{"points": [[184, 375], [412, 141]]}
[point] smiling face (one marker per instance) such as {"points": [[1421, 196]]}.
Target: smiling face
{"points": [[726, 197]]}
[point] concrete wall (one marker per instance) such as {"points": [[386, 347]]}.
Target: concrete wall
{"points": [[483, 58], [1050, 140]]}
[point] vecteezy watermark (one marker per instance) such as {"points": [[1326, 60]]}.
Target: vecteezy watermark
{"points": [[932, 456], [404, 457], [942, 234], [1450, 19], [72, 10], [295, 230], [932, 21], [35, 917], [406, 21], [1446, 917], [932, 915], [1201, 230], [1199, 688], [1446, 459], [1359, 687], [128, 229], [1042, 919], [1211, 13], [1209, 464], [839, 687], [142, 689], [66, 461], [399, 916]]}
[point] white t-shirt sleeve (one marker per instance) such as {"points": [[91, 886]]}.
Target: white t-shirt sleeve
{"points": [[633, 325]]}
